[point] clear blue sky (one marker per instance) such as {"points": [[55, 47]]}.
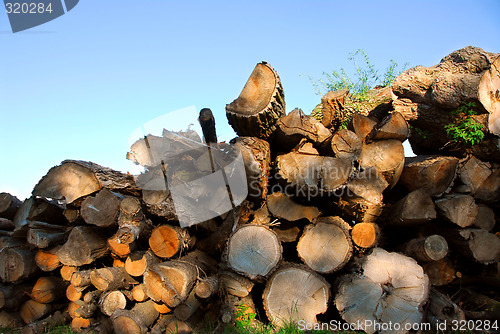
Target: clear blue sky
{"points": [[78, 86]]}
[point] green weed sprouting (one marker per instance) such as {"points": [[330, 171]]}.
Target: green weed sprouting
{"points": [[465, 130]]}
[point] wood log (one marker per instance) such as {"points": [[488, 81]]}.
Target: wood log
{"points": [[253, 251], [81, 278], [12, 296], [185, 310], [295, 126], [333, 111], [137, 263], [286, 233], [343, 144], [206, 287], [17, 264], [6, 224], [46, 235], [473, 172], [441, 309], [82, 309], [11, 242], [102, 209], [111, 278], [139, 293], [136, 320], [10, 320], [365, 235], [160, 326], [363, 125], [489, 95], [171, 282], [121, 250], [111, 301], [485, 218], [433, 173], [131, 221], [478, 306], [489, 190], [393, 288], [92, 296], [167, 241], [311, 176], [282, 206], [477, 244], [415, 208], [162, 308], [83, 246], [32, 311], [74, 293], [74, 179], [326, 246], [261, 102], [9, 205], [387, 155], [427, 249], [159, 203], [256, 155], [393, 126], [458, 208], [118, 263], [207, 122], [72, 214], [48, 289], [295, 293], [47, 260], [67, 272], [235, 284], [78, 324], [56, 319]]}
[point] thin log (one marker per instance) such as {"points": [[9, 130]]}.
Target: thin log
{"points": [[415, 208], [235, 284], [81, 278], [121, 250], [206, 287], [74, 293], [185, 310], [427, 249], [167, 241], [137, 263], [139, 293], [366, 235], [111, 301], [67, 271], [441, 309], [458, 208], [333, 110], [111, 278]]}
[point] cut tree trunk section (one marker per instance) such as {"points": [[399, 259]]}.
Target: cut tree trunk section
{"points": [[427, 249], [458, 208], [387, 155], [48, 289], [17, 264], [415, 208], [365, 235], [8, 205], [167, 241], [101, 210], [84, 245], [282, 206], [333, 110]]}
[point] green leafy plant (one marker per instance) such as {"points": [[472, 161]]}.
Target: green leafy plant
{"points": [[243, 318], [465, 130]]}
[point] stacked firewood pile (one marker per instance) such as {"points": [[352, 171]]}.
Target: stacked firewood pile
{"points": [[336, 223]]}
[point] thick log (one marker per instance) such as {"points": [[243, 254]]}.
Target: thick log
{"points": [[206, 287], [136, 320], [56, 319], [101, 210], [137, 263], [415, 208], [365, 235], [427, 249], [12, 296], [435, 174], [333, 111], [392, 288], [47, 260], [235, 284], [256, 155], [295, 293], [48, 289], [119, 249], [9, 205], [305, 147], [282, 206], [74, 293], [84, 245], [6, 224], [344, 144], [261, 102], [387, 155], [167, 241], [253, 251], [295, 126], [393, 126], [489, 95], [17, 264], [46, 235], [159, 203], [326, 246], [32, 311], [111, 301], [111, 278], [131, 221], [74, 179], [458, 208]]}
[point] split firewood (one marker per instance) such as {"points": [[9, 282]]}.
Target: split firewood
{"points": [[427, 249], [9, 205], [393, 126], [111, 278], [393, 288], [47, 260], [12, 296], [282, 206], [256, 155], [84, 245], [363, 125], [311, 176], [295, 126], [101, 210], [365, 235], [489, 190], [433, 173], [206, 287], [261, 102], [32, 311], [111, 301], [295, 293], [458, 208], [326, 245], [333, 111], [167, 241], [343, 144], [477, 244], [415, 208], [136, 320], [235, 284], [441, 309], [17, 264], [137, 263], [473, 173], [48, 289], [387, 155], [253, 251], [74, 179]]}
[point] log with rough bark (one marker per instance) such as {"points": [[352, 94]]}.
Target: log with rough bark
{"points": [[111, 278], [427, 249], [333, 111], [254, 251], [460, 209], [44, 235], [489, 95], [415, 208], [73, 179], [485, 218], [48, 289], [81, 278], [131, 221], [6, 225], [295, 293], [393, 126], [9, 205], [392, 288], [295, 126], [102, 209], [365, 235], [12, 296], [17, 264], [435, 174], [110, 301], [167, 241], [344, 144], [136, 320], [326, 246], [282, 206], [139, 293], [206, 287], [260, 104], [387, 155], [56, 319], [84, 245], [363, 125]]}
